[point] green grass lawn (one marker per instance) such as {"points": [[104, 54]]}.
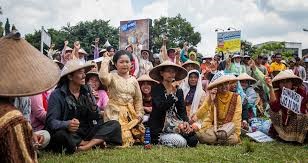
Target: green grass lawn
{"points": [[267, 152]]}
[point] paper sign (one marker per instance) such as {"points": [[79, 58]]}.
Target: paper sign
{"points": [[291, 100], [259, 136]]}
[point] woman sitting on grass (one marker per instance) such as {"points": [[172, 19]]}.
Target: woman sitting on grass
{"points": [[146, 84], [221, 113], [98, 89], [286, 124], [168, 120], [193, 95]]}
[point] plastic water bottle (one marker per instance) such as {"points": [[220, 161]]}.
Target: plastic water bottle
{"points": [[147, 138]]}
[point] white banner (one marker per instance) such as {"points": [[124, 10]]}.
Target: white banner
{"points": [[291, 100], [259, 136], [46, 39]]}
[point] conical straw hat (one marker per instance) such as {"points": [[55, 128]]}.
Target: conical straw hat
{"points": [[220, 78], [190, 62], [74, 65], [245, 76], [24, 70], [146, 78], [181, 72], [286, 74]]}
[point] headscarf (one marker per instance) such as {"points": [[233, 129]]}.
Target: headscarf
{"points": [[198, 92]]}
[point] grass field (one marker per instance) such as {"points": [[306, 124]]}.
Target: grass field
{"points": [[246, 152]]}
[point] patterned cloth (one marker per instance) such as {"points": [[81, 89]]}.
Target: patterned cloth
{"points": [[15, 135]]}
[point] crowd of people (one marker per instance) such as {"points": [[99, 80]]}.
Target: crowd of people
{"points": [[73, 103]]}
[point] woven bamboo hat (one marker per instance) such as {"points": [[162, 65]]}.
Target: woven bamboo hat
{"points": [[286, 74], [181, 72], [245, 76], [146, 78], [220, 78], [74, 65], [61, 65], [24, 70], [195, 64], [82, 51]]}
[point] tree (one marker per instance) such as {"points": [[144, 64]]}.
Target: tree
{"points": [[13, 28], [247, 48], [1, 28], [7, 27], [272, 48], [178, 31], [85, 32]]}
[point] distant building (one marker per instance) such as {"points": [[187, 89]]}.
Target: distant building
{"points": [[296, 47], [305, 52]]}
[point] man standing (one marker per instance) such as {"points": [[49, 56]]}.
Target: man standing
{"points": [[277, 65]]}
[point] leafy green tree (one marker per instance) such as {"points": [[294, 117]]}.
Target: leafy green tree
{"points": [[1, 28], [247, 48], [85, 32], [177, 29], [274, 47], [13, 27], [7, 27]]}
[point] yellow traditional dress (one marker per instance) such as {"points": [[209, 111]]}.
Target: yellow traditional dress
{"points": [[125, 104], [206, 112]]}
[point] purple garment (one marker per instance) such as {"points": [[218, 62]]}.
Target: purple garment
{"points": [[38, 113], [96, 52]]}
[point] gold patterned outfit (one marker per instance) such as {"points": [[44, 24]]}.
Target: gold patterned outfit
{"points": [[125, 104]]}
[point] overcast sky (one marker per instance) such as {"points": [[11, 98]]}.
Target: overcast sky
{"points": [[259, 20]]}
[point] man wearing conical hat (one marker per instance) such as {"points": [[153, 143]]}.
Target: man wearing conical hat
{"points": [[221, 113], [73, 118], [25, 72], [286, 124]]}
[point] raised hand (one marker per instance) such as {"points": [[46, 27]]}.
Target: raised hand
{"points": [[252, 64], [65, 43], [213, 93], [96, 41], [77, 45], [268, 81]]}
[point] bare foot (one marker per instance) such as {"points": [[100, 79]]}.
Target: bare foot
{"points": [[90, 144], [82, 143]]}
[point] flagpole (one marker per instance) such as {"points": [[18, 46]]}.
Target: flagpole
{"points": [[42, 44]]}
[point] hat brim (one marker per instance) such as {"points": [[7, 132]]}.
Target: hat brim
{"points": [[181, 72], [195, 65], [145, 51], [24, 70], [87, 66], [171, 49], [221, 80], [295, 80]]}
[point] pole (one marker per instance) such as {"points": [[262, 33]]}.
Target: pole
{"points": [[42, 44]]}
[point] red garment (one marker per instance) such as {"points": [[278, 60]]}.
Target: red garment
{"points": [[45, 101], [276, 106], [132, 70]]}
